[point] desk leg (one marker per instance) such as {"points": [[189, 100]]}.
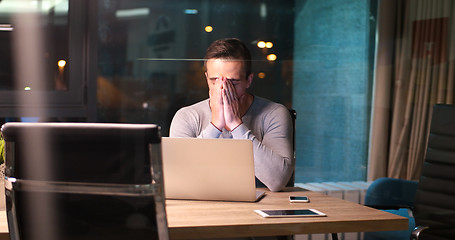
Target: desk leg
{"points": [[334, 236]]}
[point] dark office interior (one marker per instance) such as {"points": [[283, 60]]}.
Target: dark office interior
{"points": [[363, 76]]}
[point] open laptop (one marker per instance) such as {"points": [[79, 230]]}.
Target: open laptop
{"points": [[209, 169]]}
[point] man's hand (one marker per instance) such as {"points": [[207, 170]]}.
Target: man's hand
{"points": [[216, 104], [231, 105]]}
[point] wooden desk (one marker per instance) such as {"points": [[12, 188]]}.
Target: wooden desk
{"points": [[206, 219], [211, 219]]}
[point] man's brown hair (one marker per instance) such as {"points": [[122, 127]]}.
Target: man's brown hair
{"points": [[232, 49]]}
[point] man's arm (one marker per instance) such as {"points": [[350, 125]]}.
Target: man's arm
{"points": [[273, 156], [188, 123], [183, 125]]}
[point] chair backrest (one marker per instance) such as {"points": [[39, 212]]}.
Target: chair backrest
{"points": [[434, 204], [84, 181], [391, 193], [293, 117]]}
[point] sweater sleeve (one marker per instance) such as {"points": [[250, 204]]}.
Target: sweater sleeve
{"points": [[273, 156], [183, 124], [187, 122]]}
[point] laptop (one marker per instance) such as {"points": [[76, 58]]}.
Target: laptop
{"points": [[209, 169]]}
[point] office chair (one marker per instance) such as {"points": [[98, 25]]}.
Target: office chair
{"points": [[433, 206], [84, 181], [293, 117]]}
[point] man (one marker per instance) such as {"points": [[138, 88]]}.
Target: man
{"points": [[232, 112]]}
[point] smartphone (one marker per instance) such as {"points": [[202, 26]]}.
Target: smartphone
{"points": [[299, 199], [290, 213]]}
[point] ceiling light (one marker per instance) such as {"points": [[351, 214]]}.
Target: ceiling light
{"points": [[271, 57], [261, 44]]}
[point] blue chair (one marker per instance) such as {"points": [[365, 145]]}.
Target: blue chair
{"points": [[394, 196]]}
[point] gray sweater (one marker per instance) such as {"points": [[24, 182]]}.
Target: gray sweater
{"points": [[266, 123]]}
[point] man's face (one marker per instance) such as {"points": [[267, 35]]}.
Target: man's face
{"points": [[232, 70]]}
